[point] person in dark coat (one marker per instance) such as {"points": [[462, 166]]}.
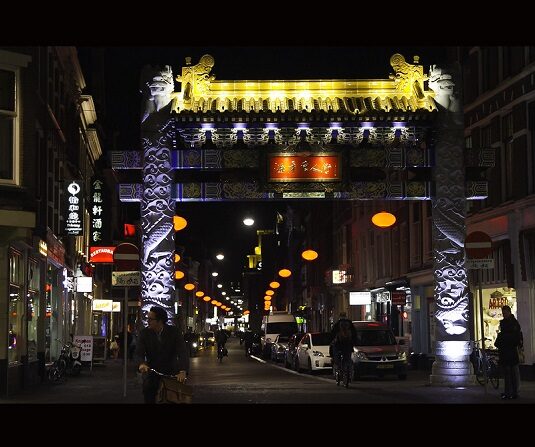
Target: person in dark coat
{"points": [[160, 347], [507, 343]]}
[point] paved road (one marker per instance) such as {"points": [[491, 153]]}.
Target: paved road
{"points": [[241, 380]]}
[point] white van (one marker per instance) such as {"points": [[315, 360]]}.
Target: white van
{"points": [[274, 324]]}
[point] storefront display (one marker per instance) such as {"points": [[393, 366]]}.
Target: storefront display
{"points": [[493, 300]]}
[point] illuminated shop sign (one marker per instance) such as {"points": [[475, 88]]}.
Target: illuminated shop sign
{"points": [[103, 305], [340, 277], [101, 255], [97, 211], [43, 247], [360, 298], [74, 215], [304, 167], [84, 284]]}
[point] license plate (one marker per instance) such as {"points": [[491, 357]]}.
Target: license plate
{"points": [[385, 366]]}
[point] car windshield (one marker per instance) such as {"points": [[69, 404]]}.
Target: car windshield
{"points": [[321, 339], [283, 328], [375, 338]]}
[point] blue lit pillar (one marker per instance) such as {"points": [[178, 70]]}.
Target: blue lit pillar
{"points": [[452, 350], [157, 204]]}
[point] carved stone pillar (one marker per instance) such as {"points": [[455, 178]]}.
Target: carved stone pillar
{"points": [[452, 350], [157, 205]]}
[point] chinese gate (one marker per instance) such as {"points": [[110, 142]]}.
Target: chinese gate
{"points": [[324, 139]]}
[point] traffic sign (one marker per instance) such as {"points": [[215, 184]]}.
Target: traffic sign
{"points": [[478, 245], [126, 257]]}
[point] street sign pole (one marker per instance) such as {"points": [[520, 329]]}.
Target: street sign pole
{"points": [[126, 259], [482, 325], [125, 338]]}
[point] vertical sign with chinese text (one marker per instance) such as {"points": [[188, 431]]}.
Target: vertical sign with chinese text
{"points": [[74, 209], [97, 212]]}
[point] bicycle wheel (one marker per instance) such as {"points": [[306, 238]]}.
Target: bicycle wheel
{"points": [[53, 374], [494, 377], [480, 377]]}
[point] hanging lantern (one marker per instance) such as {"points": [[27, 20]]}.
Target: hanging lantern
{"points": [[383, 219], [309, 255], [179, 223], [284, 273]]}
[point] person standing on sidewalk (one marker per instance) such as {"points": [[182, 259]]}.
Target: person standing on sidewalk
{"points": [[160, 347], [507, 343]]}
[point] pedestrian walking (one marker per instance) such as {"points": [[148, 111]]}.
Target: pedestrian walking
{"points": [[508, 342]]}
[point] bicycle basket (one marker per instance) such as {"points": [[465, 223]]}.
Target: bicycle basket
{"points": [[173, 392]]}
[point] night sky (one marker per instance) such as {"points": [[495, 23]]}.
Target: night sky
{"points": [[218, 226]]}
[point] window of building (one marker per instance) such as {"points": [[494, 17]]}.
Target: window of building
{"points": [[507, 135], [468, 142], [9, 125], [531, 144]]}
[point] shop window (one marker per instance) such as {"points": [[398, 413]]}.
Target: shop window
{"points": [[33, 308], [15, 331]]}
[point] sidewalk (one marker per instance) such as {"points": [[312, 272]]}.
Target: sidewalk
{"points": [[104, 385]]}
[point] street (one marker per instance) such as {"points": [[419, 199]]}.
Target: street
{"points": [[241, 380]]}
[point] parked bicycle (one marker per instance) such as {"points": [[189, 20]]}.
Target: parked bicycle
{"points": [[68, 362], [485, 366], [342, 370]]}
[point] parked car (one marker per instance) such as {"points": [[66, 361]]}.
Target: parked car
{"points": [[377, 352], [313, 352], [278, 348], [291, 349]]}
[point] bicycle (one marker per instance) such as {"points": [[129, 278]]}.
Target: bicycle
{"points": [[342, 370], [221, 352], [485, 367], [171, 391]]}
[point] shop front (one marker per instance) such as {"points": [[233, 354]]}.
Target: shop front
{"points": [[488, 308]]}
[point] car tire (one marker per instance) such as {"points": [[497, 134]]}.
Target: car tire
{"points": [[356, 375], [296, 365], [310, 370]]}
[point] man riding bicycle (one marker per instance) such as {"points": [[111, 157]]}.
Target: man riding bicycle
{"points": [[342, 344], [221, 338]]}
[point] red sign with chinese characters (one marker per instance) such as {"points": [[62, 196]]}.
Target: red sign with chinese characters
{"points": [[300, 167]]}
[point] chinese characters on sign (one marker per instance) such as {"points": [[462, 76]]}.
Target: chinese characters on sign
{"points": [[300, 167], [97, 211], [74, 222]]}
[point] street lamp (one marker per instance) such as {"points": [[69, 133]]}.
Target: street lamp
{"points": [[220, 256], [248, 221]]}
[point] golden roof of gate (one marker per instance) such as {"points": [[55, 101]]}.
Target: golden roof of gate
{"points": [[404, 91]]}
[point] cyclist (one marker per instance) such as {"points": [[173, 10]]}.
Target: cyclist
{"points": [[221, 338], [342, 344]]}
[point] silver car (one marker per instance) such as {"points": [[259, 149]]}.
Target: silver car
{"points": [[278, 348]]}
